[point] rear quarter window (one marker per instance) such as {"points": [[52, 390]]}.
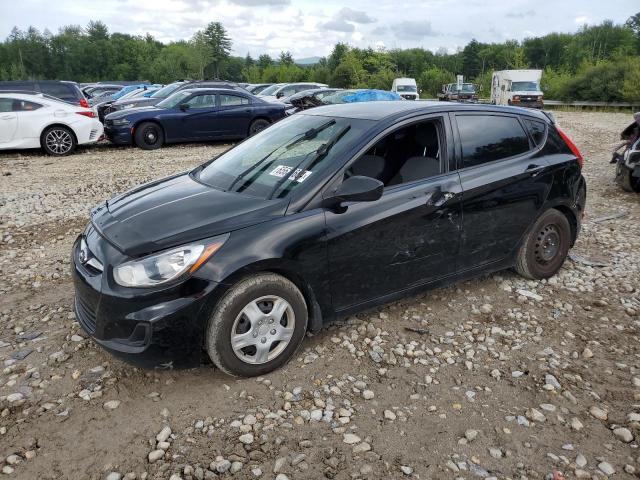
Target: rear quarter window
{"points": [[486, 138], [537, 130]]}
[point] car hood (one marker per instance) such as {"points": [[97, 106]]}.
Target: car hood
{"points": [[138, 102], [174, 211], [131, 111]]}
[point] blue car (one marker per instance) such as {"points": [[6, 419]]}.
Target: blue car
{"points": [[193, 115], [128, 88]]}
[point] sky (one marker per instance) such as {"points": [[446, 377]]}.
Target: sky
{"points": [[309, 28]]}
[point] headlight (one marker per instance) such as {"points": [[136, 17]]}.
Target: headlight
{"points": [[129, 105], [120, 122], [166, 266]]}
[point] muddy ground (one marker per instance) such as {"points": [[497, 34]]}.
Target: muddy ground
{"points": [[506, 378]]}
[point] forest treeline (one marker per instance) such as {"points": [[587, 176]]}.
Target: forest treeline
{"points": [[598, 62]]}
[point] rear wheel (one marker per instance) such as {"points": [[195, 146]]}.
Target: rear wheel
{"points": [[257, 125], [149, 136], [58, 141], [546, 246], [257, 326]]}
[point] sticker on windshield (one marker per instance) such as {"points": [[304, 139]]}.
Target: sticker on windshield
{"points": [[282, 170]]}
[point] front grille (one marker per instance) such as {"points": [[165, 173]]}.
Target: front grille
{"points": [[86, 315]]}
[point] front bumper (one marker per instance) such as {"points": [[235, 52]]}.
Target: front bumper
{"points": [[151, 328], [118, 135]]}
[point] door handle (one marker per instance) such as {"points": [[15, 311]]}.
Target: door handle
{"points": [[439, 198], [7, 117], [534, 170]]}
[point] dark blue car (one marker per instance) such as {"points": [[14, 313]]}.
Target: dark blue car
{"points": [[193, 115]]}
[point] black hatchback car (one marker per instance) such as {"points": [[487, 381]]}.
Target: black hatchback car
{"points": [[326, 213]]}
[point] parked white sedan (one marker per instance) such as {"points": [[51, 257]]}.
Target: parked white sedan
{"points": [[40, 121]]}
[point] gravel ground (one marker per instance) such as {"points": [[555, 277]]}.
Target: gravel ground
{"points": [[499, 378]]}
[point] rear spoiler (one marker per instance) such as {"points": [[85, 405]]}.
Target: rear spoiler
{"points": [[550, 116]]}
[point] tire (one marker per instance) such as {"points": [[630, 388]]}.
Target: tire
{"points": [[149, 136], [58, 141], [258, 125], [626, 180], [243, 314], [545, 247]]}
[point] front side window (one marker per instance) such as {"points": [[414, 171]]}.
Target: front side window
{"points": [[202, 101], [232, 100], [283, 157], [174, 100], [407, 155], [486, 138], [6, 105]]}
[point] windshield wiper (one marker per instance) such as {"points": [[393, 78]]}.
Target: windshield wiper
{"points": [[303, 164], [309, 134]]}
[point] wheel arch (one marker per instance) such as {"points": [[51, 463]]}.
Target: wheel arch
{"points": [[58, 124], [315, 320]]}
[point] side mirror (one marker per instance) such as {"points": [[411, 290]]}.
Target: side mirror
{"points": [[356, 189], [279, 94], [184, 107]]}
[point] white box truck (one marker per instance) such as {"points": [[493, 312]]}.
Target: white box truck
{"points": [[517, 87], [406, 88]]}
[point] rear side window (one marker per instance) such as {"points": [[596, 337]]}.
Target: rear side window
{"points": [[537, 130], [62, 91], [24, 106], [231, 100], [486, 138]]}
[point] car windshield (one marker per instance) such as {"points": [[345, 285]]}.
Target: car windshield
{"points": [[174, 100], [524, 86], [279, 159], [406, 88], [270, 90], [468, 88], [166, 90]]}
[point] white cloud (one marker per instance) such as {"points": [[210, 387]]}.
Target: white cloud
{"points": [[309, 28]]}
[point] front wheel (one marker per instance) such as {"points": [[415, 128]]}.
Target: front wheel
{"points": [[257, 126], [257, 326], [149, 136], [58, 141], [546, 246], [625, 178]]}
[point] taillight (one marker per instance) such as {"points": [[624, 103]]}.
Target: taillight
{"points": [[572, 146], [84, 103], [87, 113]]}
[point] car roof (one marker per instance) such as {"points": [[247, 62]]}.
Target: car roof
{"points": [[380, 110], [214, 90]]}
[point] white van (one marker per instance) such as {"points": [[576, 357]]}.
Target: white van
{"points": [[517, 87], [406, 88]]}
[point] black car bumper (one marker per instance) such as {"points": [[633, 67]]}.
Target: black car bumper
{"points": [[118, 135], [163, 328]]}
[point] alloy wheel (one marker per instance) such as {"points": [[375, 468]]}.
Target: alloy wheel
{"points": [[263, 329], [59, 141]]}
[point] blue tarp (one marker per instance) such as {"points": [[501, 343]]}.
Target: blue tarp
{"points": [[370, 96]]}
